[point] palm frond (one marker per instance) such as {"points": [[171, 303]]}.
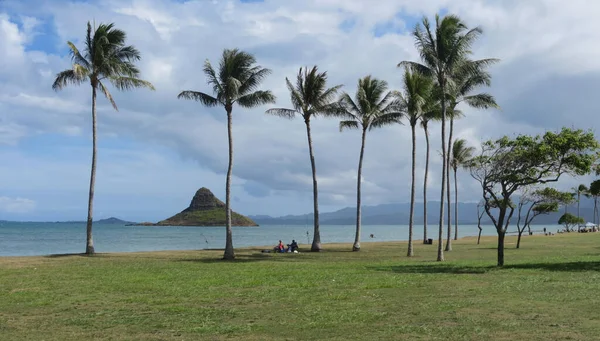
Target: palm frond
{"points": [[282, 112], [295, 96], [76, 56], [386, 120], [348, 125], [67, 77], [126, 83], [257, 75], [481, 101], [108, 95], [201, 97], [256, 98]]}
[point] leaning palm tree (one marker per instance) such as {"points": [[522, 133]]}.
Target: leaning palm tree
{"points": [[469, 76], [310, 98], [373, 107], [105, 57], [414, 101], [237, 81], [442, 52], [461, 154]]}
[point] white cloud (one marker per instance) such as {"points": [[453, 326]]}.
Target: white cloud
{"points": [[550, 68], [16, 205]]}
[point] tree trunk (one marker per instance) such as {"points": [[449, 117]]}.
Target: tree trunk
{"points": [[520, 233], [229, 254], [455, 207], [425, 184], [89, 246], [440, 256], [410, 252], [578, 199], [501, 248], [448, 193], [356, 246], [479, 236], [316, 244]]}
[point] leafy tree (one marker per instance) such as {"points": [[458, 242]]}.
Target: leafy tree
{"points": [[480, 213], [461, 155], [594, 192], [311, 98], [536, 202], [470, 76], [570, 221], [442, 50], [372, 107], [105, 58], [509, 164], [414, 100], [235, 82]]}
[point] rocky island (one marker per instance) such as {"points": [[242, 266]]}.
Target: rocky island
{"points": [[204, 210]]}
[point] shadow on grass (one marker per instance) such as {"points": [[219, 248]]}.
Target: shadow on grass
{"points": [[64, 255], [247, 258], [466, 269]]}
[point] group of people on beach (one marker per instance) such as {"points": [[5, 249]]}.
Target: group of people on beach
{"points": [[292, 247]]}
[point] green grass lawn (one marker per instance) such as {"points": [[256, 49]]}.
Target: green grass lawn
{"points": [[549, 290]]}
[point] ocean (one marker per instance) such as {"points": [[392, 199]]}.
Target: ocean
{"points": [[29, 239]]}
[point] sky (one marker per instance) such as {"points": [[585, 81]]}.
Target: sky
{"points": [[156, 151]]}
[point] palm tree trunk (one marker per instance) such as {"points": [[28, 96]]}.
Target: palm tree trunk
{"points": [[410, 252], [455, 206], [425, 184], [229, 254], [440, 256], [316, 243], [448, 193], [356, 246], [578, 199], [89, 246]]}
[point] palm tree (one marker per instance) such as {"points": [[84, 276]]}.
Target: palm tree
{"points": [[414, 101], [237, 81], [594, 192], [441, 54], [469, 76], [581, 189], [461, 154], [372, 107], [311, 98], [426, 117], [105, 57]]}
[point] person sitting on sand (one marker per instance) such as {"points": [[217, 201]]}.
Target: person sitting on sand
{"points": [[293, 246], [280, 247]]}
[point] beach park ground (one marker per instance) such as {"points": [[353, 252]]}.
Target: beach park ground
{"points": [[549, 290]]}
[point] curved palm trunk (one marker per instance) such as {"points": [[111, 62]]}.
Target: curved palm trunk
{"points": [[316, 243], [89, 246], [410, 252], [440, 256], [229, 254], [448, 193], [425, 184], [455, 206], [356, 246]]}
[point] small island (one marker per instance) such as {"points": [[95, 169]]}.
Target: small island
{"points": [[204, 210]]}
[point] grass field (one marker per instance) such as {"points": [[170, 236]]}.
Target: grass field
{"points": [[549, 290]]}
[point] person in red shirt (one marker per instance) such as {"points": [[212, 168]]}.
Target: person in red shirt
{"points": [[280, 247]]}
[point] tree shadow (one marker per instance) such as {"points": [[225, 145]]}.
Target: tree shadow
{"points": [[434, 268], [247, 258], [65, 255]]}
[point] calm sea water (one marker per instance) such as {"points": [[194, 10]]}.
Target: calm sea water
{"points": [[28, 239]]}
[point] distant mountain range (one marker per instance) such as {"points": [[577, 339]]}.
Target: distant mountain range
{"points": [[398, 214]]}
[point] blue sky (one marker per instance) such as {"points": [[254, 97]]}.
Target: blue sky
{"points": [[157, 150]]}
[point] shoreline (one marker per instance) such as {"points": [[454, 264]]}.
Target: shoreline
{"points": [[305, 247]]}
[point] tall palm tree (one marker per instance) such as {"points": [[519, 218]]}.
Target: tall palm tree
{"points": [[461, 154], [469, 76], [237, 81], [441, 53], [311, 98], [581, 189], [372, 107], [105, 57], [594, 192], [428, 116], [414, 101]]}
